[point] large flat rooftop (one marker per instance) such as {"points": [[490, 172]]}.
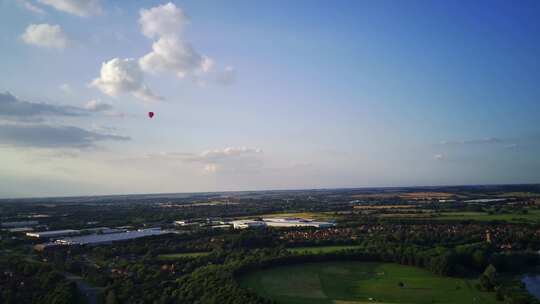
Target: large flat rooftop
{"points": [[109, 238], [52, 233]]}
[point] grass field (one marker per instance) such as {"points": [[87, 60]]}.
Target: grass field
{"points": [[533, 216], [183, 255], [321, 249], [358, 282]]}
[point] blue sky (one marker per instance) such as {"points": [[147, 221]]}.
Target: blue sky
{"points": [[266, 95]]}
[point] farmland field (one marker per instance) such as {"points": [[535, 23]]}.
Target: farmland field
{"points": [[360, 282]]}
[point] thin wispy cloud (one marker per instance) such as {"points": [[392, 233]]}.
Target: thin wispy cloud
{"points": [[81, 8], [97, 106], [230, 159], [12, 107], [47, 136], [439, 157], [25, 124], [486, 140], [28, 5]]}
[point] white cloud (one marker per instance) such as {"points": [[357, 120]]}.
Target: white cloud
{"points": [[119, 76], [227, 76], [230, 159], [170, 52], [12, 107], [66, 88], [226, 160], [97, 106], [173, 55], [31, 7], [486, 140], [81, 8], [228, 152], [45, 35], [162, 21], [48, 136], [439, 157]]}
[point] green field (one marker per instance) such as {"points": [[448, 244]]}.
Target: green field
{"points": [[533, 216], [182, 255], [358, 282], [321, 249]]}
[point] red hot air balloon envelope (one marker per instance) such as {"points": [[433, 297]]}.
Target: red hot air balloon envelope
{"points": [[150, 114]]}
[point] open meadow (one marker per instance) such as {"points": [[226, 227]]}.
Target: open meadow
{"points": [[360, 282]]}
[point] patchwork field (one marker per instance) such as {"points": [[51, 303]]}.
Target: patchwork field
{"points": [[358, 282]]}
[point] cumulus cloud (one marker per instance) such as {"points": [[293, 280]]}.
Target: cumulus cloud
{"points": [[119, 76], [31, 7], [81, 8], [170, 52], [13, 107], [162, 21], [46, 136], [45, 35]]}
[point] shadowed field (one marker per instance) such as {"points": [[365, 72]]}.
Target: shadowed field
{"points": [[359, 282]]}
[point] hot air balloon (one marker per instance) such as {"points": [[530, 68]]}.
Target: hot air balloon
{"points": [[150, 114]]}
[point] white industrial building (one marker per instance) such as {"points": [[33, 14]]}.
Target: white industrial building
{"points": [[52, 233], [184, 223], [296, 222], [280, 223], [243, 224], [96, 239]]}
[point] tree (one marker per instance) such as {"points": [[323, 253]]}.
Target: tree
{"points": [[488, 279], [111, 298]]}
